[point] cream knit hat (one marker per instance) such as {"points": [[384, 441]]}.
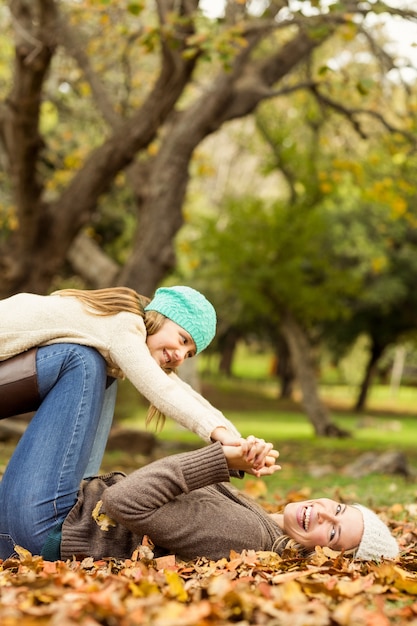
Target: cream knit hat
{"points": [[377, 541]]}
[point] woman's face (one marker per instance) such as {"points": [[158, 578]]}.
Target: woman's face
{"points": [[323, 522], [170, 345]]}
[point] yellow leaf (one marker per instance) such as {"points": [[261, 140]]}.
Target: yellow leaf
{"points": [[176, 586], [171, 613], [143, 589], [343, 612], [104, 521], [404, 582], [322, 555], [153, 149], [255, 488], [351, 588], [24, 555], [407, 585]]}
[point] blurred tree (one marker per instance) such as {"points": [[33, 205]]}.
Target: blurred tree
{"points": [[264, 268], [98, 94], [383, 222], [331, 257]]}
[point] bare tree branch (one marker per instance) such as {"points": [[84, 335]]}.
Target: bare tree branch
{"points": [[352, 114], [91, 263]]}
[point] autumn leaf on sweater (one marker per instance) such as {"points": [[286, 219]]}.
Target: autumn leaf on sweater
{"points": [[101, 519]]}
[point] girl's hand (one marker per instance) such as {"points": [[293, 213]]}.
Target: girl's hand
{"points": [[236, 457], [226, 438], [259, 453]]}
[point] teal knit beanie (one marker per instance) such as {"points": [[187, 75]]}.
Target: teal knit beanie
{"points": [[189, 309]]}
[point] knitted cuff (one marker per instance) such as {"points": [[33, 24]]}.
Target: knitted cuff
{"points": [[205, 466]]}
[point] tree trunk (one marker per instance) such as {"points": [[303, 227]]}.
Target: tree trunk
{"points": [[163, 195], [374, 356], [227, 346], [300, 350], [89, 261], [36, 252], [284, 369]]}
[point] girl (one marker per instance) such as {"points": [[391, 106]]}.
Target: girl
{"points": [[139, 339]]}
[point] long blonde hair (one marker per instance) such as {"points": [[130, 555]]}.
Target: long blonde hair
{"points": [[108, 301], [286, 543], [113, 300]]}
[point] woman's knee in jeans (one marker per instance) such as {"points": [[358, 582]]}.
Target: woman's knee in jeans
{"points": [[91, 359], [67, 359]]}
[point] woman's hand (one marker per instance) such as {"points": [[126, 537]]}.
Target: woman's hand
{"points": [[258, 451], [237, 459], [259, 455]]}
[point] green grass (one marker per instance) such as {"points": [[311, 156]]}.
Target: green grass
{"points": [[310, 464]]}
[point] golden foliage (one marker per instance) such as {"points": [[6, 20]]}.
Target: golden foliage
{"points": [[247, 588]]}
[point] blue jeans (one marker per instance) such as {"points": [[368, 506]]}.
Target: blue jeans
{"points": [[63, 443]]}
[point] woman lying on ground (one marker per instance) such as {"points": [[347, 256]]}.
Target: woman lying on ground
{"points": [[185, 507], [182, 503]]}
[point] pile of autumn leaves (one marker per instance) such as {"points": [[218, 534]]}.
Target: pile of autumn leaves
{"points": [[245, 589]]}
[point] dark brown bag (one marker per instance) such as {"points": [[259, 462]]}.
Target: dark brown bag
{"points": [[19, 391]]}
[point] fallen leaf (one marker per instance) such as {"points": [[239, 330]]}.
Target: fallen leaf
{"points": [[102, 520]]}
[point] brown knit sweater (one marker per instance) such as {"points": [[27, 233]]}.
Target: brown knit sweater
{"points": [[180, 502]]}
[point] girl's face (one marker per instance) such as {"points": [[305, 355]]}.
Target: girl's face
{"points": [[323, 522], [170, 345]]}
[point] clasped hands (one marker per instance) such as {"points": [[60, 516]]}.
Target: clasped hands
{"points": [[252, 455]]}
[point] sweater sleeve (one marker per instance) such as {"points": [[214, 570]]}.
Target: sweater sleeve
{"points": [[132, 501], [170, 395], [182, 505]]}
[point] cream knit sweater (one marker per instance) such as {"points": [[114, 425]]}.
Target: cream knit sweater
{"points": [[29, 320]]}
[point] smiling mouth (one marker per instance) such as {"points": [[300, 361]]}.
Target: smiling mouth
{"points": [[166, 356], [306, 517]]}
